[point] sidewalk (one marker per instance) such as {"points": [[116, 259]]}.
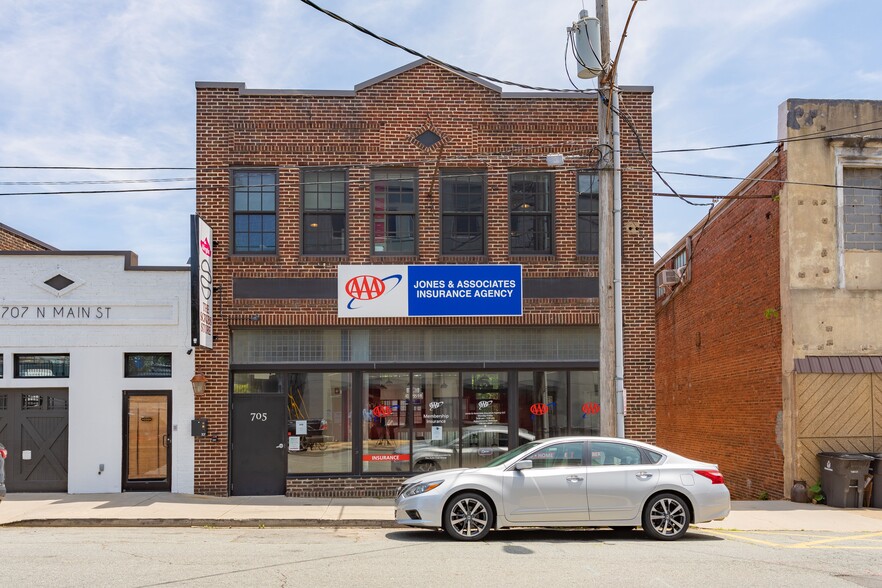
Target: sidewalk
{"points": [[187, 510]]}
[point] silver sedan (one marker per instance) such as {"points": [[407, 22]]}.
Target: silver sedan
{"points": [[571, 482]]}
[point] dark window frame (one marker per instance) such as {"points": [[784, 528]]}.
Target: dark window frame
{"points": [[17, 365], [127, 374], [457, 174], [413, 214], [521, 212], [304, 212], [235, 213], [584, 243]]}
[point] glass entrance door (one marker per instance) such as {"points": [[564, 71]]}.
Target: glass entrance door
{"points": [[147, 441], [485, 417]]}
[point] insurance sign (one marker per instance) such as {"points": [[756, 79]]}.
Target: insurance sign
{"points": [[429, 290]]}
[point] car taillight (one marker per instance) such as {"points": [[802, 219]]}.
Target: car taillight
{"points": [[713, 475], [3, 453]]}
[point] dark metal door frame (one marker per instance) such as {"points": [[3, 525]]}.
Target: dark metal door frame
{"points": [[147, 485]]}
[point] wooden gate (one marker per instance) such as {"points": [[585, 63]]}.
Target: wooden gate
{"points": [[836, 412], [33, 427]]}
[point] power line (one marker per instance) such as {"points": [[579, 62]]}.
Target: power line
{"points": [[94, 191], [434, 60], [84, 167], [793, 182], [77, 182], [825, 134]]}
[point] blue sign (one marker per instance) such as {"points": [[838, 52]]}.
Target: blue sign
{"points": [[464, 290]]}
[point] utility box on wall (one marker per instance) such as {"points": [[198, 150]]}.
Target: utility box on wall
{"points": [[199, 427]]}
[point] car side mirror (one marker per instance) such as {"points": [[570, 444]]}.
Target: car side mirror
{"points": [[526, 464]]}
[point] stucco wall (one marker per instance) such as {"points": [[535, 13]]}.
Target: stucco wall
{"points": [[149, 314], [831, 296]]}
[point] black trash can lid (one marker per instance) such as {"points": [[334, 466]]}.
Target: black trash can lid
{"points": [[846, 456]]}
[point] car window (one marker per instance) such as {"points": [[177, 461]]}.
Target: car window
{"points": [[608, 453], [653, 456], [558, 456]]}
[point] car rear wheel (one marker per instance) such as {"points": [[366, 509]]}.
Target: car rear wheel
{"points": [[666, 517], [468, 517]]}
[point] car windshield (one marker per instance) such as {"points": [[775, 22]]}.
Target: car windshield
{"points": [[510, 454]]}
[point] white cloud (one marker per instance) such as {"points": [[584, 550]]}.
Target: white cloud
{"points": [[110, 82]]}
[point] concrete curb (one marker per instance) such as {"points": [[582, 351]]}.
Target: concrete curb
{"points": [[217, 523]]}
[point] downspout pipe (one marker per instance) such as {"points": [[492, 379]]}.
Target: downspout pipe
{"points": [[617, 278]]}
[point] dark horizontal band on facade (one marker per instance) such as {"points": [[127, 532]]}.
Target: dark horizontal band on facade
{"points": [[309, 288]]}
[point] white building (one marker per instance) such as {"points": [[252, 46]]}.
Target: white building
{"points": [[95, 369]]}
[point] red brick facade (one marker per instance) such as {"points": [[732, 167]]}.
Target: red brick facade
{"points": [[718, 345], [375, 127], [12, 240]]}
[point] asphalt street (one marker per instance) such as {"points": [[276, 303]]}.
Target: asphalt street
{"points": [[316, 557]]}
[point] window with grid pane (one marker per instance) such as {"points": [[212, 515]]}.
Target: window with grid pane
{"points": [[324, 212], [462, 212], [254, 211], [394, 211], [530, 196], [588, 214], [862, 216]]}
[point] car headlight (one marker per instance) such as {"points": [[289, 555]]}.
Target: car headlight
{"points": [[421, 488]]}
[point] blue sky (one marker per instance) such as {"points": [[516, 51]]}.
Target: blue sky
{"points": [[111, 83]]}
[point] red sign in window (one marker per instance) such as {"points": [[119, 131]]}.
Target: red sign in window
{"points": [[382, 411], [590, 408], [539, 408], [386, 457]]}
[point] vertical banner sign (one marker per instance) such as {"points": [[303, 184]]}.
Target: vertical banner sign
{"points": [[201, 282]]}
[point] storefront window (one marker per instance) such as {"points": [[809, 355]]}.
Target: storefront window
{"points": [[585, 403], [485, 417], [320, 423], [542, 404], [386, 427]]}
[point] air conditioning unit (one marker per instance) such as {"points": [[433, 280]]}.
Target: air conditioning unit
{"points": [[670, 277]]}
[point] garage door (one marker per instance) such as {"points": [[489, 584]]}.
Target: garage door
{"points": [[33, 427]]}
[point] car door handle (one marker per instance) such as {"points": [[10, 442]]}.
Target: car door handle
{"points": [[643, 475], [280, 446], [574, 478]]}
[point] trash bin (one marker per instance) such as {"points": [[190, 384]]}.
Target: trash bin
{"points": [[876, 470], [843, 476]]}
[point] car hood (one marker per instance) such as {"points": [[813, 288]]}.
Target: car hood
{"points": [[438, 475]]}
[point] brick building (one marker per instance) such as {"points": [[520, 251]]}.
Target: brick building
{"points": [[13, 240], [323, 201], [768, 334]]}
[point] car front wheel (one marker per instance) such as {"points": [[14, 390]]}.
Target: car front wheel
{"points": [[468, 517], [666, 517]]}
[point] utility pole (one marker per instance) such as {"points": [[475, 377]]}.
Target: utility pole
{"points": [[607, 236]]}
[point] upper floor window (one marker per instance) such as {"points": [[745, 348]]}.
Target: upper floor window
{"points": [[588, 215], [680, 260], [148, 365], [462, 212], [324, 212], [862, 226], [394, 211], [530, 197], [254, 211], [42, 366]]}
